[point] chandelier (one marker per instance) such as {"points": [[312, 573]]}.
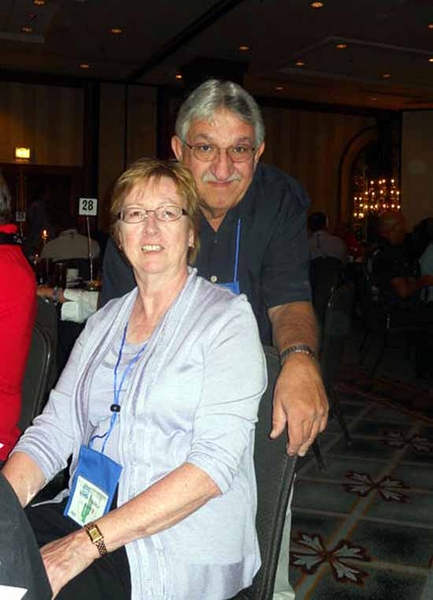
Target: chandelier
{"points": [[374, 197]]}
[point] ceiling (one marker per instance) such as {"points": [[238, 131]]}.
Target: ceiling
{"points": [[382, 62]]}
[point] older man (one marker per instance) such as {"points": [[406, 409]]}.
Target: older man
{"points": [[253, 240], [397, 274]]}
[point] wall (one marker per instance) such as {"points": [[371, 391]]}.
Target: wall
{"points": [[306, 143], [47, 119], [309, 145], [120, 144], [417, 166]]}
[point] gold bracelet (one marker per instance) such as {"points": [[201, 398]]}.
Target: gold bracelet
{"points": [[96, 538]]}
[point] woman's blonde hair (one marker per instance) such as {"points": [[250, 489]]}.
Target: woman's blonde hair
{"points": [[146, 169]]}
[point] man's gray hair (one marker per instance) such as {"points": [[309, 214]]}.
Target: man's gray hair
{"points": [[213, 94]]}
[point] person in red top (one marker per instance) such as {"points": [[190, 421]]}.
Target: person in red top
{"points": [[17, 316]]}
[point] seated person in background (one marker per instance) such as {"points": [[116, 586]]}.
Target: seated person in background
{"points": [[424, 232], [17, 317], [76, 305], [161, 396], [38, 219], [69, 243], [72, 250], [396, 273], [355, 248], [320, 242]]}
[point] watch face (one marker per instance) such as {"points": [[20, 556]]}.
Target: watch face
{"points": [[94, 533]]}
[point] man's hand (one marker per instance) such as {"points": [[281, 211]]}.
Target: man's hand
{"points": [[66, 557], [300, 402]]}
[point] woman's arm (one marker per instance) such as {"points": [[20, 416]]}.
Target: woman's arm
{"points": [[24, 475], [162, 505]]}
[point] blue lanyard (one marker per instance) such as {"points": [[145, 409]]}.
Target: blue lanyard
{"points": [[115, 407], [238, 240]]}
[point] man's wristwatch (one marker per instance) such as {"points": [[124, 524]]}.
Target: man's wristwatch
{"points": [[297, 349], [96, 538]]}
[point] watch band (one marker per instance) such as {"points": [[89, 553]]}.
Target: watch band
{"points": [[297, 349], [96, 538]]}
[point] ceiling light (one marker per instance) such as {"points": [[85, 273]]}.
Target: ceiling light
{"points": [[341, 46], [178, 75], [386, 75], [430, 59], [430, 25], [300, 63], [116, 30], [27, 29], [84, 66], [279, 88], [317, 4], [244, 48], [39, 2]]}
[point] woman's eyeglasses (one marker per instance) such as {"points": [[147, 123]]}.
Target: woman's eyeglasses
{"points": [[167, 213]]}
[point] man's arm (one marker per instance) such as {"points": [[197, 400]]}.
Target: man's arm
{"points": [[299, 398], [407, 286]]}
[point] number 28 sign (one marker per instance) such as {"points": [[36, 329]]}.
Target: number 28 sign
{"points": [[88, 207]]}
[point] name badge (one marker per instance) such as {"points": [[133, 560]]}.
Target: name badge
{"points": [[94, 486]]}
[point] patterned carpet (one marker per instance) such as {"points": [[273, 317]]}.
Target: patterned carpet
{"points": [[363, 528], [413, 401]]}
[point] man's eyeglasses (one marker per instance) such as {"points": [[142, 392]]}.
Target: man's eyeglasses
{"points": [[208, 152], [167, 213]]}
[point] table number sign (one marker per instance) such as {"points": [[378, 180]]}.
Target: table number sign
{"points": [[88, 207]]}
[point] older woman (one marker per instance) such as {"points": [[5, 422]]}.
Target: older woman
{"points": [[157, 406]]}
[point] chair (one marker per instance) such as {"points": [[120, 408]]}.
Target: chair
{"points": [[337, 327], [326, 274], [36, 383], [47, 317], [377, 321], [274, 472]]}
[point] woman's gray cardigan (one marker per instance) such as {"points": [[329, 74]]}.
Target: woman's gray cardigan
{"points": [[193, 397]]}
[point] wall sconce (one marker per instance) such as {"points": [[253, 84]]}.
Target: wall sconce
{"points": [[22, 154]]}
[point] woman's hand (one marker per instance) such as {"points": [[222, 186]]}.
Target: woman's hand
{"points": [[66, 557]]}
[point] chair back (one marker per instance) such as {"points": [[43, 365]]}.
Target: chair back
{"points": [[274, 472], [326, 274], [36, 383], [48, 318], [336, 329]]}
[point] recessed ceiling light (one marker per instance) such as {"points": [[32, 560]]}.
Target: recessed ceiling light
{"points": [[386, 75], [244, 48], [27, 29], [341, 46], [116, 30], [279, 88], [430, 25], [178, 76], [430, 59], [39, 2], [84, 66], [317, 4], [300, 63]]}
